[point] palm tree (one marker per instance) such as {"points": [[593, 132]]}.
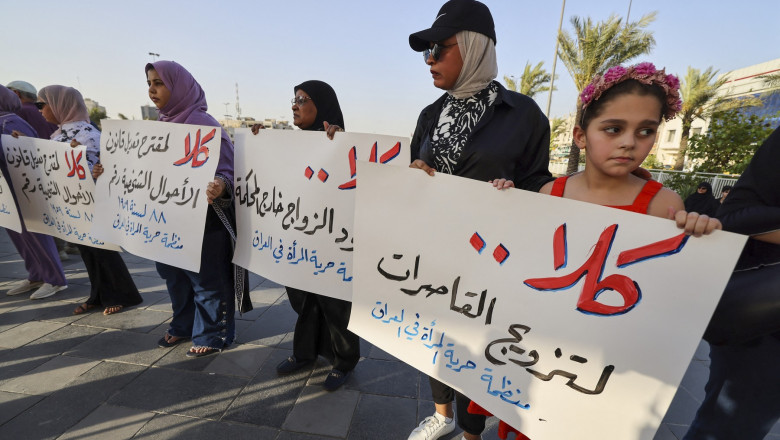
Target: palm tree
{"points": [[533, 81], [698, 89], [595, 47]]}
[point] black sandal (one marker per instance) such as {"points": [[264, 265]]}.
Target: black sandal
{"points": [[165, 343]]}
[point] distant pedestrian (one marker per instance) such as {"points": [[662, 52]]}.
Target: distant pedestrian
{"points": [[702, 201], [723, 193]]}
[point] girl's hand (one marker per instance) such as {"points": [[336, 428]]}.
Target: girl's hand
{"points": [[330, 130], [696, 224], [17, 133], [97, 170], [74, 143], [500, 184], [257, 127], [214, 189], [421, 165]]}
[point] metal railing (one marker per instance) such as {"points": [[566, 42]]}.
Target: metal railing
{"points": [[718, 181]]}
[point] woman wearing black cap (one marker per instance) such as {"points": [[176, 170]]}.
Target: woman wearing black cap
{"points": [[321, 328], [477, 130]]}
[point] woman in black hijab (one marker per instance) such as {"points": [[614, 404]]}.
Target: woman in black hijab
{"points": [[321, 328], [702, 201]]}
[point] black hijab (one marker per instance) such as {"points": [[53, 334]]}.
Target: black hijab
{"points": [[702, 203], [324, 99]]}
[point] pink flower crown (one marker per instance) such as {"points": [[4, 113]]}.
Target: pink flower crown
{"points": [[645, 73]]}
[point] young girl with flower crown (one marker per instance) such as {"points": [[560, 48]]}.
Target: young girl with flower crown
{"points": [[621, 113]]}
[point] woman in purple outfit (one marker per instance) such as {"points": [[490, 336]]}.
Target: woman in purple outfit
{"points": [[44, 269], [203, 302]]}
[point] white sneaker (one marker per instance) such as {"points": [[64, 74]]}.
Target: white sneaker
{"points": [[46, 291], [432, 427], [24, 286]]}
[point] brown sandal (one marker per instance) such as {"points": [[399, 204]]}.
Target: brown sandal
{"points": [[83, 308], [110, 310]]}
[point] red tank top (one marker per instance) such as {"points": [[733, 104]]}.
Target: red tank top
{"points": [[641, 201]]}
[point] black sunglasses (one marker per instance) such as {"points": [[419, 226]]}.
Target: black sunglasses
{"points": [[435, 51], [40, 105]]}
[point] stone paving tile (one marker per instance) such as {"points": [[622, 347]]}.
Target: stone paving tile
{"points": [[50, 376], [322, 412], [15, 363], [388, 378], [152, 298], [62, 311], [167, 427], [694, 380], [287, 435], [108, 421], [240, 360], [187, 393], [176, 358], [393, 417], [271, 328], [255, 313], [268, 295], [682, 409], [28, 311], [378, 353], [678, 431], [664, 433], [150, 283], [132, 319], [120, 346], [12, 404], [268, 398], [57, 413], [26, 333]]}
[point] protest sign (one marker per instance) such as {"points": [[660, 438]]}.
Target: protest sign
{"points": [[295, 198], [9, 216], [54, 188], [562, 318], [151, 198]]}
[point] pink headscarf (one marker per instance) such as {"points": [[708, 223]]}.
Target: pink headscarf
{"points": [[66, 104]]}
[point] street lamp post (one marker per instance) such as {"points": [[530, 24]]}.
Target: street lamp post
{"points": [[154, 56]]}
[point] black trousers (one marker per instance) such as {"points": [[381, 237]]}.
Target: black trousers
{"points": [[442, 394], [111, 283], [321, 329]]}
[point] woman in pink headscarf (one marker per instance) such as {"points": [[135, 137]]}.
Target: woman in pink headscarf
{"points": [[112, 286], [44, 269], [203, 302]]}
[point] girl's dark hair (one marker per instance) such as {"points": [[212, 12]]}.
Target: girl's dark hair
{"points": [[627, 87]]}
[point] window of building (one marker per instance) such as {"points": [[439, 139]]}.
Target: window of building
{"points": [[670, 135], [695, 131]]}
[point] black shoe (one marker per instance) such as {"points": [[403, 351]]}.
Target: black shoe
{"points": [[290, 365], [335, 380]]}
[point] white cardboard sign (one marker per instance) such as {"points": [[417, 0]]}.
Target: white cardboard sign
{"points": [[564, 319], [151, 197], [9, 215], [54, 188], [295, 198]]}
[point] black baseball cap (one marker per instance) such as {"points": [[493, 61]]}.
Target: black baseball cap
{"points": [[453, 17]]}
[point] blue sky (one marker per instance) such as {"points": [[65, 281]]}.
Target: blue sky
{"points": [[359, 47]]}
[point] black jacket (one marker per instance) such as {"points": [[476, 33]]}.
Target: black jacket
{"points": [[753, 205], [511, 141]]}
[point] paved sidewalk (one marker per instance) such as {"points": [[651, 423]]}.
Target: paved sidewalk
{"points": [[103, 377]]}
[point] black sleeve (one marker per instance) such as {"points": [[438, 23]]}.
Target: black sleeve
{"points": [[753, 205], [537, 172]]}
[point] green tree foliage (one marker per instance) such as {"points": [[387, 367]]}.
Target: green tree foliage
{"points": [[697, 89], [684, 184], [651, 162], [729, 143], [95, 115], [534, 80], [595, 47], [122, 117], [557, 125]]}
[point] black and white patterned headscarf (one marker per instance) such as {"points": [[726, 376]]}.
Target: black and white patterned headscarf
{"points": [[467, 102]]}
